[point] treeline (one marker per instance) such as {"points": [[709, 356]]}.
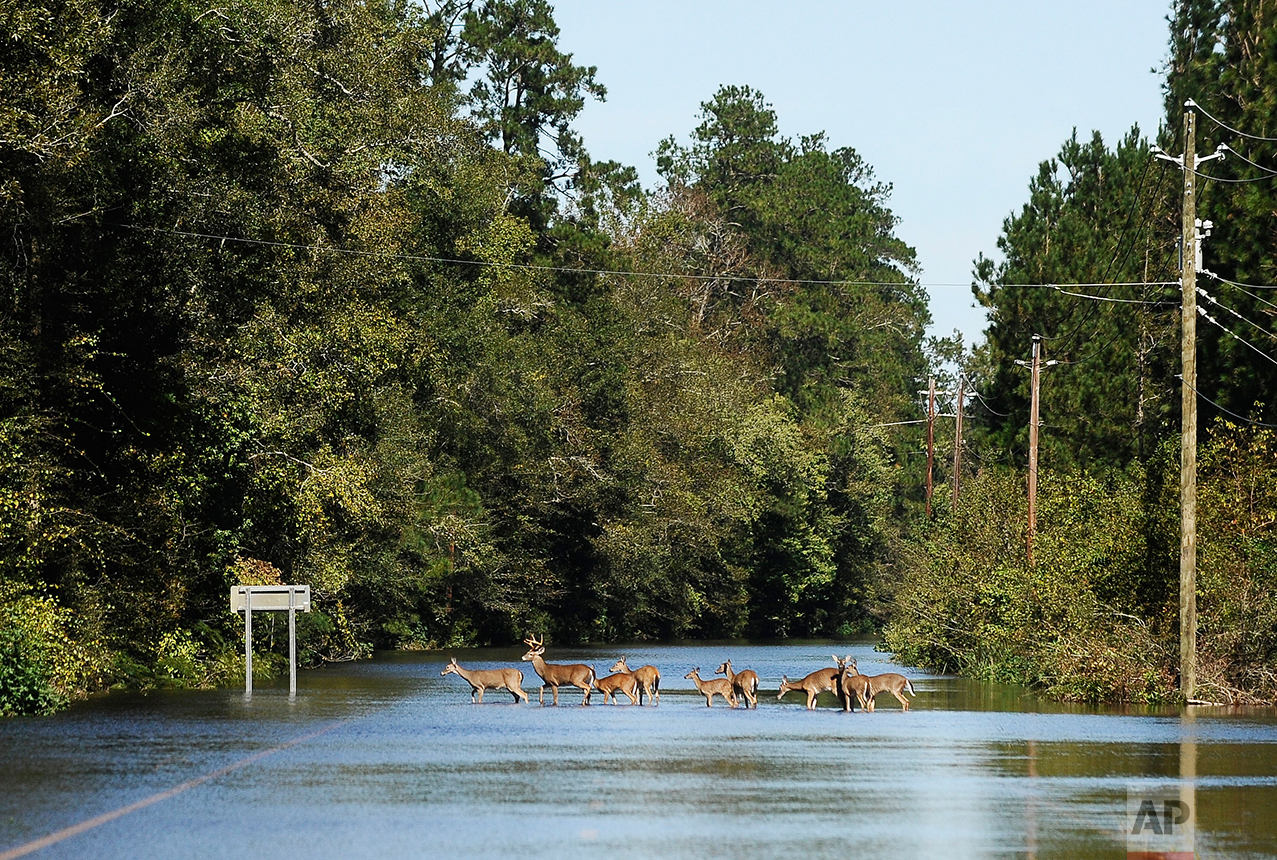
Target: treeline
{"points": [[1096, 616], [321, 293]]}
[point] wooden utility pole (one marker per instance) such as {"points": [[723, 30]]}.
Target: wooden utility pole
{"points": [[957, 446], [1188, 434], [931, 436], [1033, 442]]}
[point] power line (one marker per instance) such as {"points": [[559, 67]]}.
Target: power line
{"points": [[1122, 301], [1201, 311], [1257, 298], [1248, 161], [1202, 111], [1070, 335], [1222, 409], [1217, 304], [420, 258], [1234, 181], [980, 397], [1211, 274]]}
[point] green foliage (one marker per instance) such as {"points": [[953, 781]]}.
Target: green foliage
{"points": [[268, 317], [970, 602], [43, 664], [1094, 216], [1237, 564]]}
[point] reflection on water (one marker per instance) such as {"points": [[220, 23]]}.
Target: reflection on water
{"points": [[414, 769]]}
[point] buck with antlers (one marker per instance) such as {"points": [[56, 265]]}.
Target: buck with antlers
{"points": [[712, 687], [649, 678], [888, 682], [621, 682], [488, 679], [558, 675], [813, 685], [744, 684]]}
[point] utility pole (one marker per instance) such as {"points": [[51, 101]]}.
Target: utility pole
{"points": [[1188, 410], [1033, 442], [931, 436], [1190, 250], [957, 446]]}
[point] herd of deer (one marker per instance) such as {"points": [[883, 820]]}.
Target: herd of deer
{"points": [[845, 682]]}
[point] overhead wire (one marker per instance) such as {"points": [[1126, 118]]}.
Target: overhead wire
{"points": [[1248, 161], [1258, 298], [421, 258], [1214, 178], [1180, 377], [1239, 283], [1068, 336], [1203, 313], [1221, 124], [1124, 301], [1225, 307]]}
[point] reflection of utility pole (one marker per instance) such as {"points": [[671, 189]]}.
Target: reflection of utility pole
{"points": [[957, 446], [1189, 245], [931, 436]]}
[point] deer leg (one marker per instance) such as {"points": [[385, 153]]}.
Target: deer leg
{"points": [[903, 700], [543, 694], [480, 689]]}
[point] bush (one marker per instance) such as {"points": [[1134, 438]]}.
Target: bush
{"points": [[41, 666], [970, 602]]}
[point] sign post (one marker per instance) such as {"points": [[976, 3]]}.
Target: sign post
{"points": [[270, 598]]}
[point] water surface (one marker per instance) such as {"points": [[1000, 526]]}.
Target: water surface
{"points": [[407, 766]]}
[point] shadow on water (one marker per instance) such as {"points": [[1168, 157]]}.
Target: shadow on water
{"points": [[408, 766]]}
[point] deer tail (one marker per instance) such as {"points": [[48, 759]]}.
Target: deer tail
{"points": [[909, 687]]}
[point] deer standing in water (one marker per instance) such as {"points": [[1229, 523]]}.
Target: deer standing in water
{"points": [[888, 682], [712, 687], [556, 674], [484, 679], [851, 683], [621, 682], [744, 684], [649, 678], [813, 685]]}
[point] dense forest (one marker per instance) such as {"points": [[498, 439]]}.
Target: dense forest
{"points": [[332, 293]]}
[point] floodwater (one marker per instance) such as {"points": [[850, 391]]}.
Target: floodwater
{"points": [[387, 759]]}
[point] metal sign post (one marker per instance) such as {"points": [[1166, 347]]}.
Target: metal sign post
{"points": [[270, 598]]}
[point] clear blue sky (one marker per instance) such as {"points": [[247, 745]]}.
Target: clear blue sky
{"points": [[953, 103]]}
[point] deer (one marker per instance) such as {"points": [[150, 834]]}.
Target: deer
{"points": [[621, 682], [744, 684], [557, 674], [649, 678], [888, 682], [510, 680], [813, 685], [712, 687], [851, 683]]}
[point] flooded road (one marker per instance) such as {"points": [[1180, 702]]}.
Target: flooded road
{"points": [[388, 759]]}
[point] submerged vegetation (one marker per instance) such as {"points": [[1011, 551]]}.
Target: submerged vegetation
{"points": [[329, 294]]}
